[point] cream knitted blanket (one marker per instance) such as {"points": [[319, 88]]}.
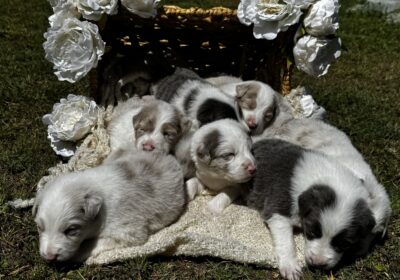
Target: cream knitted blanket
{"points": [[238, 234]]}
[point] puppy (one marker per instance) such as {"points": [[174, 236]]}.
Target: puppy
{"points": [[196, 98], [259, 103], [117, 204], [221, 152], [320, 136], [223, 80], [149, 125], [299, 187]]}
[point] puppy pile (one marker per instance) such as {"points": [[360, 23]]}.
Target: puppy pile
{"points": [[234, 138]]}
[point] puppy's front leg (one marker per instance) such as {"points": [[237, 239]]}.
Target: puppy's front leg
{"points": [[282, 235], [193, 187], [223, 199]]}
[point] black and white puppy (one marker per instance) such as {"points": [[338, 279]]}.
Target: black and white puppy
{"points": [[322, 137], [221, 152], [201, 101], [149, 125], [299, 187]]}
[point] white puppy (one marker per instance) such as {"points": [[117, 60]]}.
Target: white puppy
{"points": [[117, 204], [149, 125], [298, 187], [221, 152]]}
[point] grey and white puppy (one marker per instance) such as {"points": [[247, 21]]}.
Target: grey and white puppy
{"points": [[320, 136], [221, 152], [148, 124], [117, 204], [299, 187], [201, 101]]}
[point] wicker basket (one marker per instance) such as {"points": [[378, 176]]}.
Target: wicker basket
{"points": [[209, 41]]}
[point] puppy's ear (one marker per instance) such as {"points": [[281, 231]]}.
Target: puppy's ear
{"points": [[247, 88], [186, 125], [315, 199], [92, 204]]}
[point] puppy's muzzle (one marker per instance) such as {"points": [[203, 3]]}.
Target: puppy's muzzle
{"points": [[249, 167]]}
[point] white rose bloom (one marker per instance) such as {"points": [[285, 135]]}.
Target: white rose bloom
{"points": [[315, 55], [142, 8], [74, 48], [323, 18], [94, 9], [269, 16], [70, 121], [303, 4], [63, 10]]}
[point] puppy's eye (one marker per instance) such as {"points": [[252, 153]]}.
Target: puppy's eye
{"points": [[72, 230], [228, 156], [170, 135]]}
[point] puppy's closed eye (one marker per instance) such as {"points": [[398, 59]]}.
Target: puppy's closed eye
{"points": [[72, 230], [227, 156]]}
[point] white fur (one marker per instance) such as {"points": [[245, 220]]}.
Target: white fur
{"points": [[234, 139]]}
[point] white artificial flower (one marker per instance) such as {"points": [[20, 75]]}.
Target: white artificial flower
{"points": [[142, 8], [269, 16], [70, 121], [314, 55], [94, 9], [303, 4], [74, 48], [63, 10], [323, 18]]}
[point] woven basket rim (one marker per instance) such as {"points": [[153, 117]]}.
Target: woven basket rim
{"points": [[196, 11]]}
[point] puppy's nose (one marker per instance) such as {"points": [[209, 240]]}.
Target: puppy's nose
{"points": [[51, 257], [251, 123], [148, 147], [250, 168], [317, 261]]}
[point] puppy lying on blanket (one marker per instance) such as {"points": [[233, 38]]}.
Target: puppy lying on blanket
{"points": [[320, 136], [148, 124], [298, 187], [117, 204], [221, 152]]}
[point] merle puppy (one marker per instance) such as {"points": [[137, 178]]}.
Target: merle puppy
{"points": [[299, 187]]}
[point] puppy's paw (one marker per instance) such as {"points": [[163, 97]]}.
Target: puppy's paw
{"points": [[215, 208], [291, 271], [218, 204], [193, 188]]}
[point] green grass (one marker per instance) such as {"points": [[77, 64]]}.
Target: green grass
{"points": [[361, 94]]}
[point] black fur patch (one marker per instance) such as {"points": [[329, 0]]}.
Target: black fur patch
{"points": [[271, 186], [311, 203], [189, 98], [360, 227], [213, 110], [209, 146]]}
